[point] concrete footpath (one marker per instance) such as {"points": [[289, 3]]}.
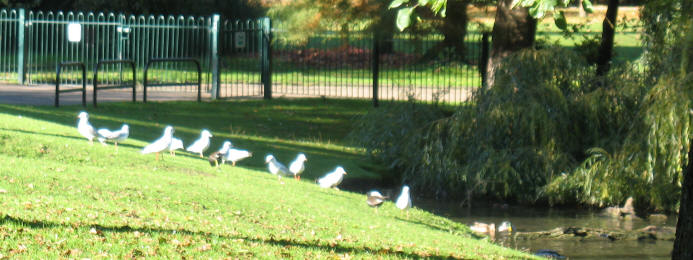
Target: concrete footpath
{"points": [[44, 95]]}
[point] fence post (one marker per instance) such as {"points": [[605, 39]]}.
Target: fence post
{"points": [[266, 59], [483, 63], [215, 56], [375, 66], [20, 46]]}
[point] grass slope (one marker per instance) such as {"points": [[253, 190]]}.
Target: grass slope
{"points": [[61, 197]]}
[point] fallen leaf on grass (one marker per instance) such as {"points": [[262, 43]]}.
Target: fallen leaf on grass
{"points": [[95, 231], [72, 252], [205, 247], [20, 249]]}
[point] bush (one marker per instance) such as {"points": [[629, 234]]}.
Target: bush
{"points": [[548, 130]]}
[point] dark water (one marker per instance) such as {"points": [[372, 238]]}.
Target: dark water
{"points": [[529, 219]]}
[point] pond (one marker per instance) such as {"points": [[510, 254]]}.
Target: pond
{"points": [[526, 219]]}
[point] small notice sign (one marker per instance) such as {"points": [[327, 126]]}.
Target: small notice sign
{"points": [[239, 40], [74, 32]]}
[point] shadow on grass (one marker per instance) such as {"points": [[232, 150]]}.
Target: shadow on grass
{"points": [[314, 245], [436, 227]]}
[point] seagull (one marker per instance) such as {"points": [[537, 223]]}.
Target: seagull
{"points": [[224, 150], [404, 200], [116, 136], [85, 128], [234, 155], [201, 144], [160, 144], [332, 179], [297, 166], [175, 145], [275, 167]]}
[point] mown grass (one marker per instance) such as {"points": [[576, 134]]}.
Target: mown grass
{"points": [[62, 197]]}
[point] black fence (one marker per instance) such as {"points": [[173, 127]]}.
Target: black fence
{"points": [[355, 64]]}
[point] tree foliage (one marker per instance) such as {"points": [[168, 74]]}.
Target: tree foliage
{"points": [[302, 18]]}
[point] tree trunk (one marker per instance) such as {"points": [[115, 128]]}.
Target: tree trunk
{"points": [[513, 30], [607, 44], [683, 244], [454, 29], [581, 11]]}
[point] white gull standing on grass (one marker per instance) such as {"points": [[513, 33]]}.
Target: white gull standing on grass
{"points": [[85, 128], [201, 144], [275, 167], [224, 150], [404, 200], [160, 144], [175, 145], [115, 136], [332, 179], [235, 155], [298, 166]]}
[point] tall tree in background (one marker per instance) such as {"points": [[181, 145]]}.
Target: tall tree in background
{"points": [[514, 25], [304, 17], [513, 30]]}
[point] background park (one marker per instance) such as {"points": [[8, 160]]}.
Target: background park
{"points": [[549, 114]]}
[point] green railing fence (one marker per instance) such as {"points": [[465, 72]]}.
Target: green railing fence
{"points": [[9, 27], [238, 58]]}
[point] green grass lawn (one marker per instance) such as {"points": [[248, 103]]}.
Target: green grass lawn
{"points": [[61, 197]]}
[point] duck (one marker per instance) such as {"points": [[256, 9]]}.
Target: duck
{"points": [[490, 229], [375, 199], [214, 159], [298, 166]]}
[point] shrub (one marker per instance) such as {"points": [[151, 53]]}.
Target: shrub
{"points": [[548, 130]]}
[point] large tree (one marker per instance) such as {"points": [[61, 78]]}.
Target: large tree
{"points": [[514, 26]]}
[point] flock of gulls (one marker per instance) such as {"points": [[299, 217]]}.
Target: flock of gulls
{"points": [[228, 153]]}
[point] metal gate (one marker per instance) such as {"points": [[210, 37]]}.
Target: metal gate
{"points": [[241, 57], [52, 38]]}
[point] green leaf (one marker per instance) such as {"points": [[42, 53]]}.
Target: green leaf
{"points": [[397, 3], [404, 18], [439, 6], [587, 5], [541, 7], [424, 2], [559, 20]]}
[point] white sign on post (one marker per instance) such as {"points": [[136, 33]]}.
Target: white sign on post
{"points": [[239, 38], [74, 32]]}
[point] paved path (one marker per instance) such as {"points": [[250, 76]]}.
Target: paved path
{"points": [[39, 95], [45, 94]]}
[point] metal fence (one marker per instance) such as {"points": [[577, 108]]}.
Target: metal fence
{"points": [[238, 58], [354, 65]]}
